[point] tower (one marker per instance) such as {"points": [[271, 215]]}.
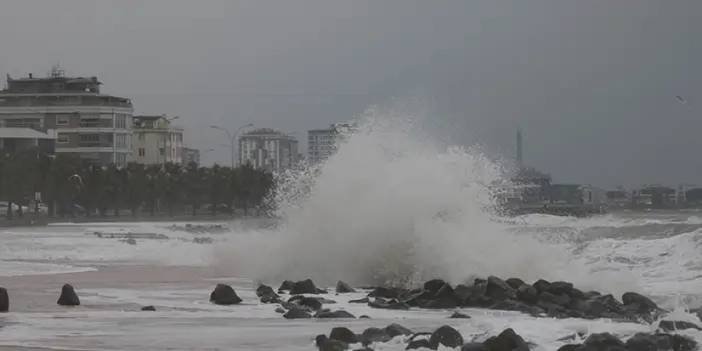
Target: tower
{"points": [[519, 148]]}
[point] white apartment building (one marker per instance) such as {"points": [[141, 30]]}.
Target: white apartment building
{"points": [[93, 126], [268, 149], [322, 143], [156, 141]]}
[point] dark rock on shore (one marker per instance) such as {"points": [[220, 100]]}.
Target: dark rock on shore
{"points": [[4, 300], [342, 288], [446, 336], [326, 344], [459, 315], [372, 335], [417, 344], [363, 300], [297, 313], [335, 314], [343, 334], [287, 285], [395, 329], [392, 304], [148, 308], [474, 346], [508, 340], [303, 301], [224, 295], [638, 342], [638, 303], [435, 294], [266, 294], [305, 287], [68, 296], [387, 293], [497, 289]]}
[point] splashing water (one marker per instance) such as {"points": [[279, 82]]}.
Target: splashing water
{"points": [[391, 207]]}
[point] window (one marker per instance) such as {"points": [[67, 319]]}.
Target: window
{"points": [[161, 151], [61, 120], [90, 137], [142, 152], [121, 121], [62, 138]]}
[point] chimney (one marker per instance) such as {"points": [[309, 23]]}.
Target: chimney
{"points": [[30, 76]]}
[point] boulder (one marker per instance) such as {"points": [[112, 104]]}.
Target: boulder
{"points": [[304, 287], [363, 300], [388, 304], [575, 347], [148, 308], [4, 300], [511, 305], [472, 295], [280, 310], [446, 336], [541, 285], [68, 296], [335, 314], [515, 283], [474, 346], [508, 340], [459, 315], [372, 335], [303, 301], [527, 293], [677, 325], [551, 298], [434, 285], [286, 285], [497, 289], [267, 295], [418, 344], [387, 293], [326, 344], [297, 313], [638, 303], [395, 329], [642, 342], [363, 316], [342, 288], [343, 334], [224, 295], [558, 288]]}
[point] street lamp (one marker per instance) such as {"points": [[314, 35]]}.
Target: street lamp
{"points": [[232, 136]]}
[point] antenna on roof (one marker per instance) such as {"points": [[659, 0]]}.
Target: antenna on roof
{"points": [[57, 71]]}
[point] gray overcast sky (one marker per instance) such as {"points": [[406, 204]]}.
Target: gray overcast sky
{"points": [[591, 82]]}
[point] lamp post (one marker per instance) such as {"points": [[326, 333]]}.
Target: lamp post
{"points": [[232, 136]]}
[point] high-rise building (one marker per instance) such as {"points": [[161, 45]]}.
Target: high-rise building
{"points": [[322, 143], [156, 140], [268, 149], [86, 123]]}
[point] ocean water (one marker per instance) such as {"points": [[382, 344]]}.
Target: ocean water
{"points": [[391, 207]]}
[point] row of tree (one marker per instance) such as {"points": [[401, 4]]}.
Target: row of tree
{"points": [[69, 187]]}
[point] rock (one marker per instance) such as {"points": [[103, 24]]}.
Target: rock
{"points": [[474, 346], [286, 286], [515, 283], [576, 347], [386, 293], [497, 289], [395, 329], [335, 314], [550, 298], [603, 341], [560, 288], [310, 302], [508, 340], [511, 305], [327, 344], [363, 300], [472, 295], [280, 310], [267, 295], [446, 336], [417, 344], [148, 308], [297, 313], [342, 288], [638, 303], [642, 342], [677, 325], [343, 334], [388, 304], [599, 306], [304, 287], [4, 300], [434, 285], [372, 335], [459, 315], [363, 316], [541, 285], [224, 295], [68, 296], [527, 293]]}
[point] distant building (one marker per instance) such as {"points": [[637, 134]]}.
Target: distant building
{"points": [[655, 196], [191, 156], [156, 141], [534, 185], [268, 149], [322, 143], [93, 126], [19, 139], [618, 198]]}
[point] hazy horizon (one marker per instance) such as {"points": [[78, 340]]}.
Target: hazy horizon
{"points": [[592, 84]]}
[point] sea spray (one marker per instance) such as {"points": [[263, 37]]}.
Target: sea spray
{"points": [[392, 207]]}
